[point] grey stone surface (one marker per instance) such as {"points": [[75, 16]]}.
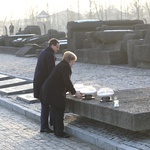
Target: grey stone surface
{"points": [[28, 98], [138, 51], [17, 89], [8, 50], [27, 49], [101, 135], [121, 27], [141, 26], [18, 132], [112, 36], [90, 34], [11, 82], [3, 77], [132, 36], [121, 77], [106, 57], [78, 38], [131, 52], [142, 55], [132, 113]]}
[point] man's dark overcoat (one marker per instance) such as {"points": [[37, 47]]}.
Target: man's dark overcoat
{"points": [[54, 89], [45, 65]]}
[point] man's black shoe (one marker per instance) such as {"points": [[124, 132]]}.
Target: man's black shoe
{"points": [[47, 130], [65, 135]]}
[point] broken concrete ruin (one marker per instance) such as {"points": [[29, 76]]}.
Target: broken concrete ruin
{"points": [[110, 42]]}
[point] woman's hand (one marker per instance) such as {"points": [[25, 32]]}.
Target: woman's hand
{"points": [[78, 95]]}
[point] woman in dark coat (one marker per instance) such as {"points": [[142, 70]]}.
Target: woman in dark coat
{"points": [[54, 90]]}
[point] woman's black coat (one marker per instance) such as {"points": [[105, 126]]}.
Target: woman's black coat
{"points": [[54, 89]]}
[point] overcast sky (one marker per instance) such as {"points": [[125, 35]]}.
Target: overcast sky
{"points": [[17, 9]]}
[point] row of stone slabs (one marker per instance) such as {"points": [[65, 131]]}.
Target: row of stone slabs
{"points": [[15, 86]]}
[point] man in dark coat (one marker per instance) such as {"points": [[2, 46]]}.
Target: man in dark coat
{"points": [[54, 90], [45, 65]]}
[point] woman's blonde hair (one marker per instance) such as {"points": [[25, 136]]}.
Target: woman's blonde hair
{"points": [[69, 56]]}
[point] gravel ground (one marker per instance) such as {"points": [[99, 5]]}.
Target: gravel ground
{"points": [[117, 77]]}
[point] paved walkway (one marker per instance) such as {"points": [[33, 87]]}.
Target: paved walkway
{"points": [[26, 132], [20, 133]]}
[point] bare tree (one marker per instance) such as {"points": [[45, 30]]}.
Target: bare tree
{"points": [[32, 13], [147, 9], [98, 9], [135, 8]]}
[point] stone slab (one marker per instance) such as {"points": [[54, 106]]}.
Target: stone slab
{"points": [[133, 112], [26, 88], [11, 82], [28, 98], [112, 36], [3, 77], [24, 50]]}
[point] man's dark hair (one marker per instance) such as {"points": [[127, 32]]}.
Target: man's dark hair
{"points": [[53, 41]]}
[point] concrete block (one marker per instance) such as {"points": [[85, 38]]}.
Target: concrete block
{"points": [[105, 57], [130, 51], [132, 114], [28, 98], [112, 36], [27, 49], [142, 53]]}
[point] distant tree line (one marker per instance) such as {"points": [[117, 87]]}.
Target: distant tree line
{"points": [[98, 9]]}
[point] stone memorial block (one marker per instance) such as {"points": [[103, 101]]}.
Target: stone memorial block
{"points": [[130, 51], [92, 25], [147, 37], [116, 27], [107, 57], [11, 82], [127, 37], [17, 89], [103, 36], [142, 56], [28, 98], [78, 38], [24, 50], [132, 114], [112, 36], [141, 26]]}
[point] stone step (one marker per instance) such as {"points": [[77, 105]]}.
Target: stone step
{"points": [[20, 89], [28, 98], [11, 82], [3, 77]]}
